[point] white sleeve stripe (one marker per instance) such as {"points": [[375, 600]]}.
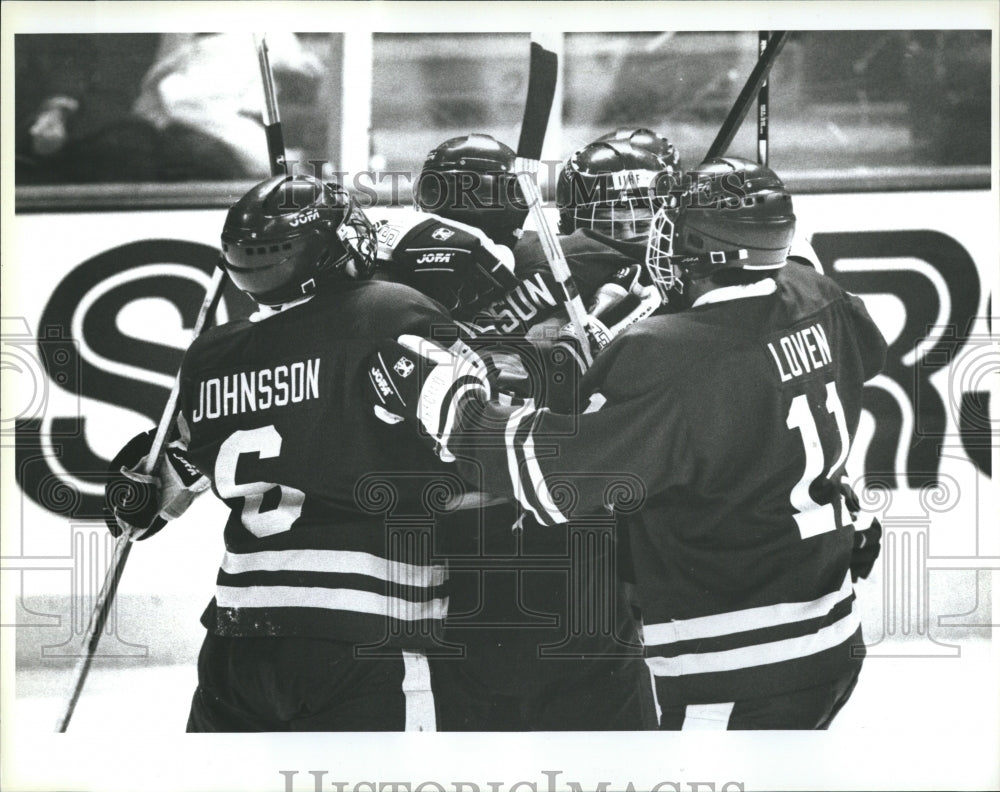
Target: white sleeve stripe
{"points": [[537, 481], [513, 466], [452, 411]]}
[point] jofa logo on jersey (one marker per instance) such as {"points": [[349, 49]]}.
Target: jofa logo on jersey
{"points": [[435, 258], [379, 379], [403, 367], [442, 233], [305, 217]]}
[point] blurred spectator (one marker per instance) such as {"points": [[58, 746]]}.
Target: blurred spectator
{"points": [[137, 107], [73, 96], [204, 90]]}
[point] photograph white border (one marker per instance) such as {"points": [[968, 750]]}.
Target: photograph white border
{"points": [[941, 754]]}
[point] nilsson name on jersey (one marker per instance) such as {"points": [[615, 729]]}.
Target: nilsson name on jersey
{"points": [[522, 304], [250, 391], [800, 352]]}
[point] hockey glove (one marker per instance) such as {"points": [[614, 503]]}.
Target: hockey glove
{"points": [[417, 379], [867, 543], [141, 504], [617, 304]]}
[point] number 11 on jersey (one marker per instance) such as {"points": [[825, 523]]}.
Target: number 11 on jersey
{"points": [[815, 518]]}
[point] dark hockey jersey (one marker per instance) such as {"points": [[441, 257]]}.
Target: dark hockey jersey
{"points": [[329, 530], [592, 259], [719, 435]]}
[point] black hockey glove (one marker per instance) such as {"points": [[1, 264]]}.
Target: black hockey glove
{"points": [[867, 543], [414, 378], [619, 303], [142, 504]]}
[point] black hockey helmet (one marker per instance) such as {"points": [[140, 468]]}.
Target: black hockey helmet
{"points": [[610, 185], [732, 214], [648, 140], [289, 233], [471, 179]]}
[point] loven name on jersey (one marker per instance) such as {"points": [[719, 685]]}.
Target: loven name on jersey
{"points": [[250, 391], [801, 352]]}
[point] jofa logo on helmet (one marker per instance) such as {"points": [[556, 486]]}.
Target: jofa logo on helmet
{"points": [[442, 233], [435, 258], [305, 217], [403, 367]]}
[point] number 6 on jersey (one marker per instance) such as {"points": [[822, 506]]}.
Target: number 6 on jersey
{"points": [[265, 442]]}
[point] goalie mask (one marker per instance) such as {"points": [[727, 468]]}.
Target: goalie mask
{"points": [[471, 180], [291, 233], [611, 185], [733, 218]]}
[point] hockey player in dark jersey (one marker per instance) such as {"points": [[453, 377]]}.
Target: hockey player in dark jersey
{"points": [[470, 179], [549, 642], [329, 593], [719, 434], [615, 184]]}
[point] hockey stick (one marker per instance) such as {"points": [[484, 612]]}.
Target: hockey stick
{"points": [[542, 76], [213, 294], [763, 107], [272, 122], [123, 545], [741, 106]]}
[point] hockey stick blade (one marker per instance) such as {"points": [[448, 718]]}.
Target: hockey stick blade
{"points": [[542, 76], [746, 97]]}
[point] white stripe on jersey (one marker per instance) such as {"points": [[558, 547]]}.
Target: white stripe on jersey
{"points": [[418, 693], [744, 620], [536, 480], [347, 562], [707, 717], [759, 654], [529, 477], [329, 599], [513, 468]]}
